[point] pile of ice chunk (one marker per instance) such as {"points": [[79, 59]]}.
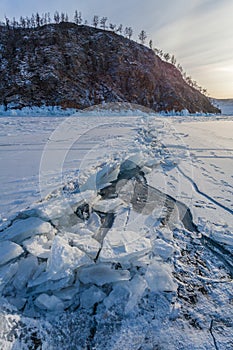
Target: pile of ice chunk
{"points": [[86, 248]]}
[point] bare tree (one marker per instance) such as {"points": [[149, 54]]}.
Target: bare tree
{"points": [[167, 56], [28, 22], [173, 60], [22, 22], [49, 18], [62, 17], [33, 21], [56, 17], [112, 26], [103, 21], [76, 17], [37, 19], [150, 44], [14, 23], [161, 53], [142, 36], [128, 32], [80, 20], [119, 29], [179, 67], [95, 21], [42, 20]]}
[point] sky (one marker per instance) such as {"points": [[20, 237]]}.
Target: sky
{"points": [[198, 32]]}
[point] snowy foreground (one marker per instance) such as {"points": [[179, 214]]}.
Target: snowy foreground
{"points": [[126, 239]]}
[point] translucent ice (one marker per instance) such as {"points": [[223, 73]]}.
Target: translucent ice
{"points": [[22, 229], [64, 258], [91, 296], [136, 288], [122, 245], [26, 269], [49, 302], [94, 222], [119, 295], [51, 286], [108, 174], [67, 293], [85, 243], [7, 272], [38, 246], [108, 205], [162, 249], [101, 274], [8, 251], [159, 278]]}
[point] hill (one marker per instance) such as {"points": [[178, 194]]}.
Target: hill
{"points": [[80, 66]]}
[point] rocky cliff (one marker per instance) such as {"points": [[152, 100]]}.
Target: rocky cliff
{"points": [[80, 66]]}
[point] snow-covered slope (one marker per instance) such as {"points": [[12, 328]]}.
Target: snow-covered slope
{"points": [[131, 245]]}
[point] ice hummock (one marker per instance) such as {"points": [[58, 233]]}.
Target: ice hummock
{"points": [[168, 295]]}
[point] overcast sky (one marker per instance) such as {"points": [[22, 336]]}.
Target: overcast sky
{"points": [[198, 32]]}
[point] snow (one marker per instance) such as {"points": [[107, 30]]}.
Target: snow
{"points": [[109, 255]]}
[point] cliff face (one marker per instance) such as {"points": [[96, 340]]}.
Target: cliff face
{"points": [[79, 66]]}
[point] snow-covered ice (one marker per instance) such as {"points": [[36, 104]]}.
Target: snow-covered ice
{"points": [[129, 244]]}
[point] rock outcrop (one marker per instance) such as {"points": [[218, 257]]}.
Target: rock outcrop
{"points": [[80, 66]]}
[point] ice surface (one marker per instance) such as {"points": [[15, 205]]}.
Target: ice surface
{"points": [[9, 251], [120, 246], [23, 229], [44, 284], [141, 260], [106, 175], [94, 222], [101, 274], [223, 237], [26, 269], [64, 258], [85, 243], [118, 296], [68, 293], [38, 246], [7, 272], [137, 287], [108, 205], [121, 219], [49, 302], [91, 296], [159, 278], [162, 249]]}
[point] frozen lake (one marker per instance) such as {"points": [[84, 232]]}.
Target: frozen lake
{"points": [[23, 139], [127, 242]]}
